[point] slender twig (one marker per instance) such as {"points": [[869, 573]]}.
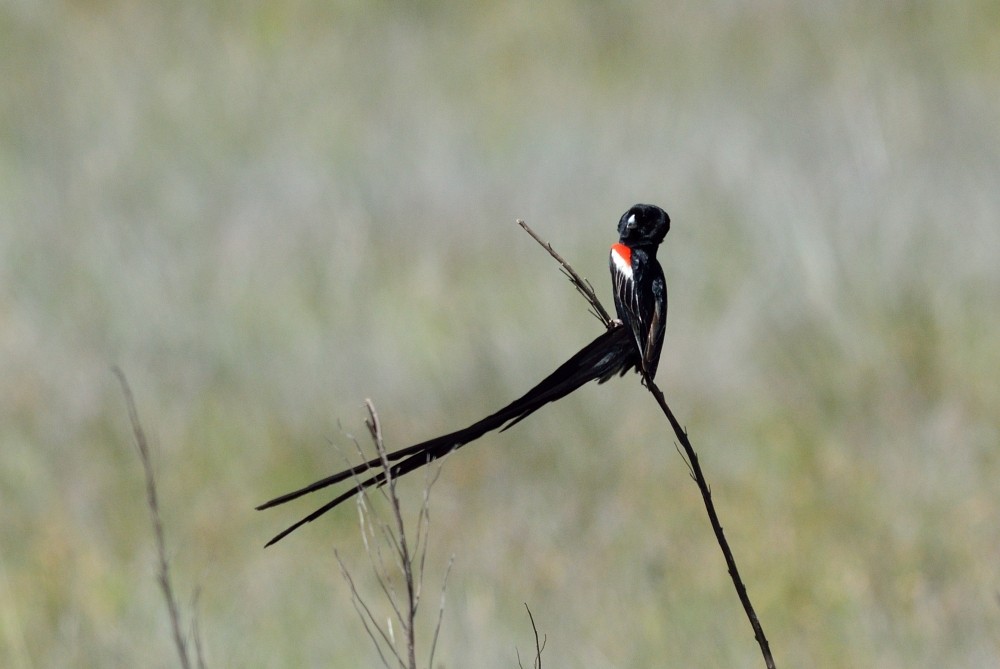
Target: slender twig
{"points": [[423, 537], [706, 495], [163, 577], [692, 459], [581, 283], [539, 645], [199, 653], [367, 617], [373, 548], [437, 626]]}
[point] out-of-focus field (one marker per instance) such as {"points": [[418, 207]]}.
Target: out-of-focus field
{"points": [[266, 212]]}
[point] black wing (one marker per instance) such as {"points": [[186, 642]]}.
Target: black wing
{"points": [[641, 302]]}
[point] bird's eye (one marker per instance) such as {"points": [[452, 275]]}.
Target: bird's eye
{"points": [[631, 222]]}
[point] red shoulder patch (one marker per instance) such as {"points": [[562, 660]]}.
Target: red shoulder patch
{"points": [[621, 259], [623, 252]]}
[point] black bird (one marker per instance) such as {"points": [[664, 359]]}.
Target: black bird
{"points": [[641, 301]]}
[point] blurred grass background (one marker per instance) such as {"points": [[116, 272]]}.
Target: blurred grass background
{"points": [[267, 211]]}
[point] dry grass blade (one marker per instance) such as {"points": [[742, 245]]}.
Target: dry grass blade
{"points": [[440, 617], [397, 541], [368, 619], [406, 560], [163, 571]]}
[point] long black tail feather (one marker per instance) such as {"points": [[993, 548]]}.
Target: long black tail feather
{"points": [[612, 353]]}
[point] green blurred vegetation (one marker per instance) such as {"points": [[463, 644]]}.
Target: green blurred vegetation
{"points": [[265, 212]]}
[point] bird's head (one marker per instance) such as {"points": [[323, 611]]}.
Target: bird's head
{"points": [[643, 225]]}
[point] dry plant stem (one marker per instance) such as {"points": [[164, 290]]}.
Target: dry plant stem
{"points": [[581, 284], [163, 577], [407, 557], [692, 457], [706, 495], [402, 549], [539, 646]]}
